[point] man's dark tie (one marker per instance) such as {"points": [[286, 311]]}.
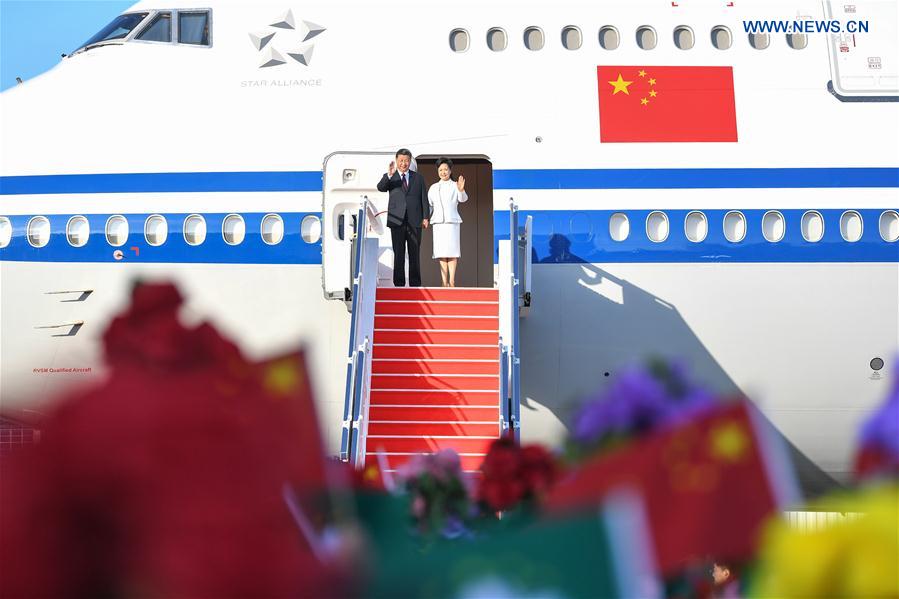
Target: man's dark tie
{"points": [[405, 183]]}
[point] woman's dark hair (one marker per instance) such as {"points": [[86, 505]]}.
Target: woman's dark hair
{"points": [[446, 161]]}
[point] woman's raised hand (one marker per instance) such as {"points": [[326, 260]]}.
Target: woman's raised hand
{"points": [[460, 183]]}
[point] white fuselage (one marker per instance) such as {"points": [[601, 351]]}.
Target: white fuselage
{"points": [[793, 324]]}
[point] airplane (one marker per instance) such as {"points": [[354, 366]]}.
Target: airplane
{"points": [[228, 147]]}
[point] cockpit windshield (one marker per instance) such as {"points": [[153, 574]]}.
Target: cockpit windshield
{"points": [[120, 27]]}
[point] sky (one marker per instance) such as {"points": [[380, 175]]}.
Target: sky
{"points": [[34, 33]]}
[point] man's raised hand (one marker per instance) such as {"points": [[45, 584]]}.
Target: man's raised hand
{"points": [[391, 168]]}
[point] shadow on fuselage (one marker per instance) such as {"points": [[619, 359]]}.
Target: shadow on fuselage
{"points": [[585, 324]]}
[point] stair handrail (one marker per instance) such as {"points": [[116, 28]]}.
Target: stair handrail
{"points": [[352, 401], [514, 345], [504, 415]]}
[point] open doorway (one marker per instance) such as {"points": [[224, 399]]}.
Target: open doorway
{"points": [[475, 267]]}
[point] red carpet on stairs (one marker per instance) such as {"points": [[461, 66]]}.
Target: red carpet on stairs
{"points": [[435, 374]]}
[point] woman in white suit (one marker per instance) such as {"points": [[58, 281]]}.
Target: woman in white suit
{"points": [[445, 197]]}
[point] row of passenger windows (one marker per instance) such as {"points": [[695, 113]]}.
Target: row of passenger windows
{"points": [[609, 38], [696, 228], [774, 226], [156, 230]]}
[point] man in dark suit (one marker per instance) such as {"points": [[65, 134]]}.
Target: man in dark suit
{"points": [[407, 212]]}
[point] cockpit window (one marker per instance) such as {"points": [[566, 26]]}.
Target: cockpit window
{"points": [[193, 28], [159, 29], [119, 28]]}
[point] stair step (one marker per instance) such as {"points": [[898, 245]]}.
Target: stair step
{"points": [[434, 352], [437, 308], [438, 293], [395, 460], [442, 323], [408, 337], [382, 366], [441, 397], [418, 429], [437, 414], [427, 444], [455, 382]]}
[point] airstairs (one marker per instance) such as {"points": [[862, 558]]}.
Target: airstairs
{"points": [[432, 368]]}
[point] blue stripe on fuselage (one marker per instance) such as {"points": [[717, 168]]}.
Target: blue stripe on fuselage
{"points": [[652, 178]]}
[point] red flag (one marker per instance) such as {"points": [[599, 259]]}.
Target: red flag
{"points": [[707, 487], [661, 104]]}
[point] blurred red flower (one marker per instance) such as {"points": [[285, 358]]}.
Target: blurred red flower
{"points": [[169, 479], [512, 474]]}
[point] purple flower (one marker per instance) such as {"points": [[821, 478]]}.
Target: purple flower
{"points": [[640, 400]]}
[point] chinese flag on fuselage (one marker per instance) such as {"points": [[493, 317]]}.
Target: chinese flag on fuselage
{"points": [[665, 104]]}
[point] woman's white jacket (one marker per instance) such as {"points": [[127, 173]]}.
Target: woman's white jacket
{"points": [[445, 198]]}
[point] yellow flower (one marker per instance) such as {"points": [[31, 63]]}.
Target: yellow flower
{"points": [[857, 557]]}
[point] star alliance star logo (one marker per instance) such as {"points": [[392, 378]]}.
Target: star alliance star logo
{"points": [[291, 41]]}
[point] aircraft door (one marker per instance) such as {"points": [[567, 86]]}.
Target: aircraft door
{"points": [[347, 178]]}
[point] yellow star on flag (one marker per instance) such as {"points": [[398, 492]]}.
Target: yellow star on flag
{"points": [[652, 81], [620, 85], [644, 101], [642, 73], [729, 442], [653, 93], [282, 378]]}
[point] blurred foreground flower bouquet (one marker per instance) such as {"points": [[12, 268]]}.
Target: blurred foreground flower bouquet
{"points": [[438, 497], [514, 475]]}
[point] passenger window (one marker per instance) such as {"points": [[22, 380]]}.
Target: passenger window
{"points": [[233, 229], [533, 38], [496, 39], [78, 231], [571, 38], [156, 230], [5, 231], [889, 226], [646, 38], [696, 227], [812, 226], [774, 226], [311, 228], [608, 38], [193, 28], [619, 226], [721, 37], [116, 230], [657, 226], [272, 229], [797, 41], [851, 226], [759, 41], [38, 231], [734, 226], [683, 37], [159, 29], [194, 229], [458, 40]]}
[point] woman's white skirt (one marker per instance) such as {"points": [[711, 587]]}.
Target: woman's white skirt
{"points": [[446, 240]]}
